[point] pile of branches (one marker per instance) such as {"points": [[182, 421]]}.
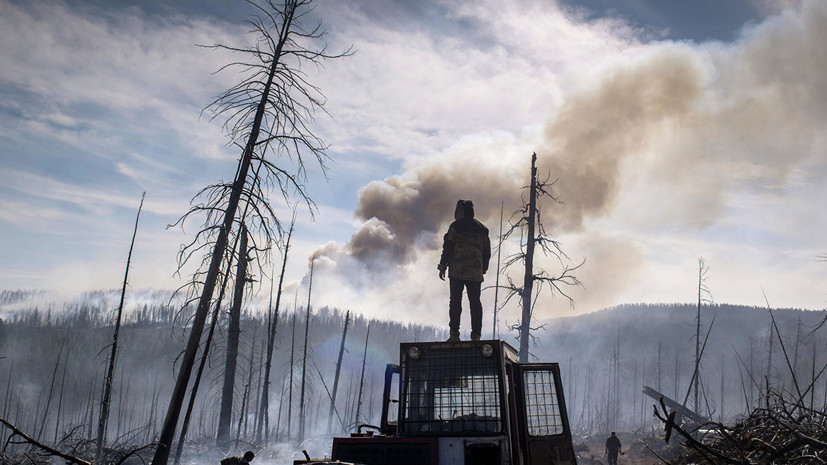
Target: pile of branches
{"points": [[72, 449], [781, 432]]}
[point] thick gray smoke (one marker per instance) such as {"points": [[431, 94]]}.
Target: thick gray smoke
{"points": [[599, 130], [659, 139]]}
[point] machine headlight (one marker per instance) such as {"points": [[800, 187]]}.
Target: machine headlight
{"points": [[413, 352], [487, 350]]}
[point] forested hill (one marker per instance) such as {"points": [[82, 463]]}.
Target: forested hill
{"points": [[609, 355], [53, 354], [51, 350]]}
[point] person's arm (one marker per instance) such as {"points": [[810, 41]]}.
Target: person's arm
{"points": [[448, 244], [486, 253]]}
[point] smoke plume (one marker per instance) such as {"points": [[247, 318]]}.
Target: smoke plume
{"points": [[659, 139]]}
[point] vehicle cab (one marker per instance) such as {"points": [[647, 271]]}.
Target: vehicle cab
{"points": [[467, 402]]}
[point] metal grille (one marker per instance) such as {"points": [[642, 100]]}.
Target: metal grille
{"points": [[542, 409], [453, 391]]}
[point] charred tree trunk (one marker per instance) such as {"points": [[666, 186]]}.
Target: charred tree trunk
{"points": [[60, 399], [362, 377], [528, 280], [336, 377], [107, 385], [233, 332], [497, 280], [201, 365], [698, 334], [292, 366], [264, 412], [242, 419], [51, 391], [302, 417], [188, 360]]}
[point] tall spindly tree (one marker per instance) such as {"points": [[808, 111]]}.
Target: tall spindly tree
{"points": [[269, 117], [527, 221]]}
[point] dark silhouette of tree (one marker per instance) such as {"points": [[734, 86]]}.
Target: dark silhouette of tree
{"points": [[336, 377], [268, 115], [527, 220], [302, 416], [272, 323], [704, 296], [110, 372], [233, 335]]}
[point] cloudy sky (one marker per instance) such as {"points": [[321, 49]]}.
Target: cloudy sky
{"points": [[675, 130]]}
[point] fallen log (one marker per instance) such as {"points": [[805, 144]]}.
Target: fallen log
{"points": [[44, 447]]}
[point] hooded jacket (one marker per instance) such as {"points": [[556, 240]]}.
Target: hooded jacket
{"points": [[466, 248]]}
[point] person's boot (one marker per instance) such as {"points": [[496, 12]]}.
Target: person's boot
{"points": [[454, 337], [475, 336]]}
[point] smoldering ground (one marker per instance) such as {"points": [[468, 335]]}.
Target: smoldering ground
{"points": [[659, 140]]}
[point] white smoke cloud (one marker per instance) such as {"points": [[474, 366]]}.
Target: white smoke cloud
{"points": [[659, 141]]}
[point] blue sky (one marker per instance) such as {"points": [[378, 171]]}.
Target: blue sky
{"points": [[677, 130]]}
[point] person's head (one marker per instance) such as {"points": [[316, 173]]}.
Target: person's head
{"points": [[468, 209], [248, 456], [613, 433], [460, 209], [464, 209]]}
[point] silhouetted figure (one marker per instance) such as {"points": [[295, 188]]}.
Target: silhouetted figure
{"points": [[612, 448], [246, 459], [466, 251]]}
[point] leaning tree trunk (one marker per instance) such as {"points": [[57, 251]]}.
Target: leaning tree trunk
{"points": [[49, 398], [302, 419], [336, 378], [233, 332], [200, 372], [528, 281], [292, 366], [242, 419], [497, 280], [264, 412], [188, 360], [362, 377], [107, 386]]}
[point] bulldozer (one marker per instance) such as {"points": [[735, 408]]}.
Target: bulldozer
{"points": [[463, 403]]}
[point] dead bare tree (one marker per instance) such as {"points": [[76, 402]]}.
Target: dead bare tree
{"points": [[494, 331], [290, 385], [527, 221], [302, 417], [242, 418], [336, 377], [199, 373], [107, 386], [51, 391], [362, 378], [704, 296], [273, 315], [233, 333], [269, 112]]}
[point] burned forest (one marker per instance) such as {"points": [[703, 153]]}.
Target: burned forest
{"points": [[55, 369], [297, 232]]}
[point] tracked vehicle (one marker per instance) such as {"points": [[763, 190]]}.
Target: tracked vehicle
{"points": [[455, 403]]}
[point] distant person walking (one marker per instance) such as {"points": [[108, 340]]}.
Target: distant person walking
{"points": [[245, 460], [612, 448], [466, 251]]}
